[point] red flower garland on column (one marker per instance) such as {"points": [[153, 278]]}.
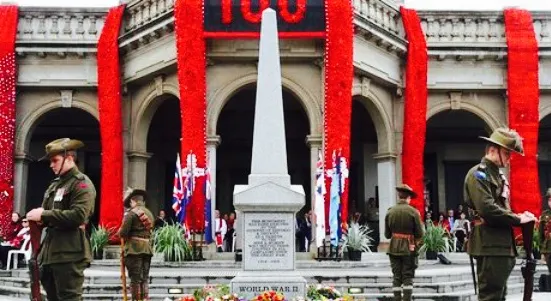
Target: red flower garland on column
{"points": [[191, 62], [523, 92], [415, 108], [295, 17], [339, 75], [248, 15], [110, 115], [8, 73]]}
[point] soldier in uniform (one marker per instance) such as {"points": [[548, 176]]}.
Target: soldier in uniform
{"points": [[545, 232], [66, 209], [486, 192], [136, 230], [403, 228]]}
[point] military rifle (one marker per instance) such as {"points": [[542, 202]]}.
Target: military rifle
{"points": [[529, 265], [123, 272], [34, 271]]}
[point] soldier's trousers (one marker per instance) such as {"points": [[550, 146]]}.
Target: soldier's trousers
{"points": [[548, 261], [493, 272], [403, 269], [63, 281], [138, 270]]}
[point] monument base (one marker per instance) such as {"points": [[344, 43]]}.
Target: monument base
{"points": [[249, 284]]}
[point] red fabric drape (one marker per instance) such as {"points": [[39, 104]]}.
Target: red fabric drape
{"points": [[8, 75], [339, 75], [191, 60], [415, 107], [523, 105], [110, 116]]}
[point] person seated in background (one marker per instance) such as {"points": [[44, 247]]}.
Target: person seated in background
{"points": [[13, 228], [443, 222], [461, 229], [15, 243]]}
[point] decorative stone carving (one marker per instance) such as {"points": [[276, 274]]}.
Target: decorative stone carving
{"points": [[66, 98], [455, 100]]}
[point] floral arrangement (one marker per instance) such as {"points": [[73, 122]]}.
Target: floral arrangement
{"points": [[269, 296], [222, 293], [213, 293], [325, 293]]}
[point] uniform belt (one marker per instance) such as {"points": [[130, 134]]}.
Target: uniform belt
{"points": [[409, 237], [139, 238], [403, 236]]}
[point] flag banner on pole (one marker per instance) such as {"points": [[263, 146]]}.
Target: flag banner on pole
{"points": [[208, 209], [178, 193], [338, 175], [319, 201]]}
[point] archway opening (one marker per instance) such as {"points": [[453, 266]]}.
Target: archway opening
{"points": [[233, 156], [60, 123], [452, 148], [363, 167], [163, 142]]}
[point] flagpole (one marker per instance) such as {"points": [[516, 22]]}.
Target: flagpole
{"points": [[212, 192]]}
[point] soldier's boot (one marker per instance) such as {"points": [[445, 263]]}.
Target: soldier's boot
{"points": [[397, 293], [145, 291], [408, 292], [136, 292]]}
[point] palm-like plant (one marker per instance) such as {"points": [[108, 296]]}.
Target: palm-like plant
{"points": [[435, 239], [169, 240], [358, 238], [99, 238]]}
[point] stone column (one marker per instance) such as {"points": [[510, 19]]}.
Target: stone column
{"points": [[137, 168], [315, 142], [386, 180], [212, 145], [20, 178]]}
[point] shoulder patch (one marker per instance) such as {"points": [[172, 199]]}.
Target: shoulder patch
{"points": [[480, 175]]}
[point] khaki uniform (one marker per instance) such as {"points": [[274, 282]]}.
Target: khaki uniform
{"points": [[545, 237], [491, 240], [136, 230], [403, 228], [65, 251]]}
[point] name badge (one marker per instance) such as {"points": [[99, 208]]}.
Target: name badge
{"points": [[59, 194]]}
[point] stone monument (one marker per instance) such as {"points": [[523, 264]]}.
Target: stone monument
{"points": [[268, 204]]}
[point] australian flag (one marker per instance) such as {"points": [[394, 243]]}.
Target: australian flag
{"points": [[208, 211], [178, 192]]}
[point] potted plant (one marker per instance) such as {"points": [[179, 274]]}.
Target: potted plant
{"points": [[169, 240], [436, 239], [357, 240], [99, 237]]}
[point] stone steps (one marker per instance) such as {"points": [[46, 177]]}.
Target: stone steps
{"points": [[432, 282]]}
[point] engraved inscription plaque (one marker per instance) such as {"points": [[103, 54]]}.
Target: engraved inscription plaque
{"points": [[269, 241]]}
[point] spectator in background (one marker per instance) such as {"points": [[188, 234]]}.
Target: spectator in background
{"points": [[13, 227], [15, 243], [229, 235], [161, 219]]}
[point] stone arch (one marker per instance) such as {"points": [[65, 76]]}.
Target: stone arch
{"points": [[381, 118], [25, 129], [223, 95], [145, 113], [544, 112], [492, 122]]}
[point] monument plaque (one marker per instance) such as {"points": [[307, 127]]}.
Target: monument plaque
{"points": [[268, 204], [269, 240]]}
